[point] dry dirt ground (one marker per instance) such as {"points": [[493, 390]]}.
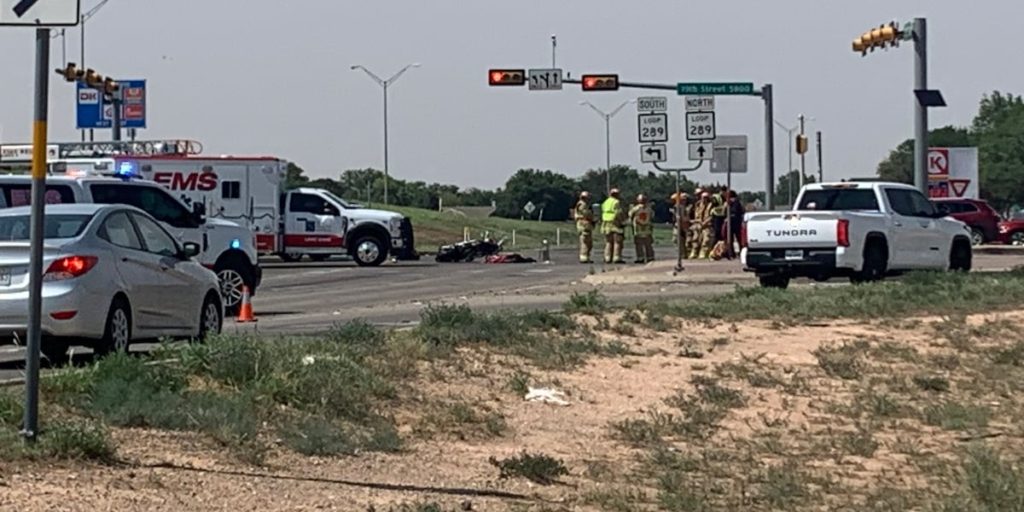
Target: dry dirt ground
{"points": [[791, 417]]}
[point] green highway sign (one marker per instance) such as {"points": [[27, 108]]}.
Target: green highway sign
{"points": [[713, 88]]}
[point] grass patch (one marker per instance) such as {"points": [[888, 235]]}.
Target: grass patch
{"points": [[11, 411], [932, 383], [844, 361], [461, 420], [956, 416], [591, 303], [550, 340], [918, 293], [990, 483], [537, 468]]}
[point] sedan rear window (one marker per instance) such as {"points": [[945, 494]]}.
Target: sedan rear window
{"points": [[16, 228], [839, 199]]}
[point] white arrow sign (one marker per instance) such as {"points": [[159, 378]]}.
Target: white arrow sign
{"points": [[653, 153], [702, 151], [40, 13]]}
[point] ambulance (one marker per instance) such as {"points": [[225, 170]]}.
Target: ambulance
{"points": [[288, 223]]}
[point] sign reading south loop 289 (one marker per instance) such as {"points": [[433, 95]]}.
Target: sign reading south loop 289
{"points": [[653, 127]]}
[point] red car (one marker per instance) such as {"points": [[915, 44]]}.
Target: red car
{"points": [[1011, 231], [978, 215]]}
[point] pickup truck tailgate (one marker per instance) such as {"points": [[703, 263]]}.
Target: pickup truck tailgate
{"points": [[792, 230]]}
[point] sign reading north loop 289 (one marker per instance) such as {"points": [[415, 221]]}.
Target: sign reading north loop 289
{"points": [[653, 127], [700, 125]]}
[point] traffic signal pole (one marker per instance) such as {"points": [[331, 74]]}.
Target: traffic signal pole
{"points": [[30, 426], [769, 146], [920, 110]]}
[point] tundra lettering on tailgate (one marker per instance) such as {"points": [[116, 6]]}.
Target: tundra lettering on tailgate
{"points": [[793, 232]]}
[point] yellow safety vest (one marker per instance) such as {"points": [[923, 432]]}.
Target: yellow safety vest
{"points": [[610, 210]]}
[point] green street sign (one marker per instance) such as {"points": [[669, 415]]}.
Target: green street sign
{"points": [[714, 89]]}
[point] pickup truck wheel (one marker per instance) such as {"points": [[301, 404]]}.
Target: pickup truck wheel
{"points": [[780, 281], [960, 257], [369, 251], [977, 237], [875, 264], [232, 277]]}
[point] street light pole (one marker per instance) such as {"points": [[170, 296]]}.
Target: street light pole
{"points": [[789, 171], [607, 116], [803, 156], [384, 84]]}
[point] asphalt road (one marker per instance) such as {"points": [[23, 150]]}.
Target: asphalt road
{"points": [[310, 297]]}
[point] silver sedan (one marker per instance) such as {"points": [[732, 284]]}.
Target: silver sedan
{"points": [[111, 275]]}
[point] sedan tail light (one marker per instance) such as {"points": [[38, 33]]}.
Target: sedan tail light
{"points": [[69, 267], [843, 233]]}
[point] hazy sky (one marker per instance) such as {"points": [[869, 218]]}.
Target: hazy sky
{"points": [[273, 77]]}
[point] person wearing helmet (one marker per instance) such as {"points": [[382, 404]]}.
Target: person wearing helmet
{"points": [[613, 226], [641, 215], [701, 227], [584, 217]]}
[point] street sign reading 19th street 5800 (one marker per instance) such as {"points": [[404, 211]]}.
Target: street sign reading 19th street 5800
{"points": [[714, 88]]}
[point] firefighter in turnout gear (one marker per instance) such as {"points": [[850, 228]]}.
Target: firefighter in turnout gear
{"points": [[701, 227], [613, 226], [584, 217], [641, 215]]}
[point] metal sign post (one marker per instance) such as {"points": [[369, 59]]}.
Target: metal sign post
{"points": [[680, 224], [30, 428]]}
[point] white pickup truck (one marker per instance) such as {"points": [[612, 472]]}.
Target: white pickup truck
{"points": [[863, 231]]}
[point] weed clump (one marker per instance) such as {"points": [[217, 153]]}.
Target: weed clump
{"points": [[537, 468]]}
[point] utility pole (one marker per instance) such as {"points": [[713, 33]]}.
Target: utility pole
{"points": [[821, 172], [803, 154], [554, 46], [115, 101]]}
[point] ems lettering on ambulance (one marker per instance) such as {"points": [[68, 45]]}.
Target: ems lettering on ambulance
{"points": [[176, 180]]}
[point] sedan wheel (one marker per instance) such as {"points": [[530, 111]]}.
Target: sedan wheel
{"points": [[211, 319], [231, 283], [117, 335], [1017, 238]]}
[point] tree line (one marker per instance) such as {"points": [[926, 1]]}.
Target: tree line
{"points": [[552, 193]]}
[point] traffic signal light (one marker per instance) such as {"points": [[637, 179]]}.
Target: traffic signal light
{"points": [[801, 144], [881, 37], [71, 72], [506, 77], [600, 82], [110, 86], [93, 79]]}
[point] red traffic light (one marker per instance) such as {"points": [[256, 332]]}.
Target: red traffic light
{"points": [[506, 77], [600, 82]]}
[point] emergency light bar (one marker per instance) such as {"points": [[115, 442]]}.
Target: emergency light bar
{"points": [[172, 147]]}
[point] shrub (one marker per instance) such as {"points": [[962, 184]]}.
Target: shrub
{"points": [[539, 468]]}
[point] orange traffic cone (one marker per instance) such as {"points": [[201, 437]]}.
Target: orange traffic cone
{"points": [[245, 311]]}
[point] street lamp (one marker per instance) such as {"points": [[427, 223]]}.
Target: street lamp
{"points": [[789, 171], [384, 85], [607, 116]]}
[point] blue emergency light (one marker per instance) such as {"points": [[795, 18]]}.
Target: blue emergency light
{"points": [[127, 169]]}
